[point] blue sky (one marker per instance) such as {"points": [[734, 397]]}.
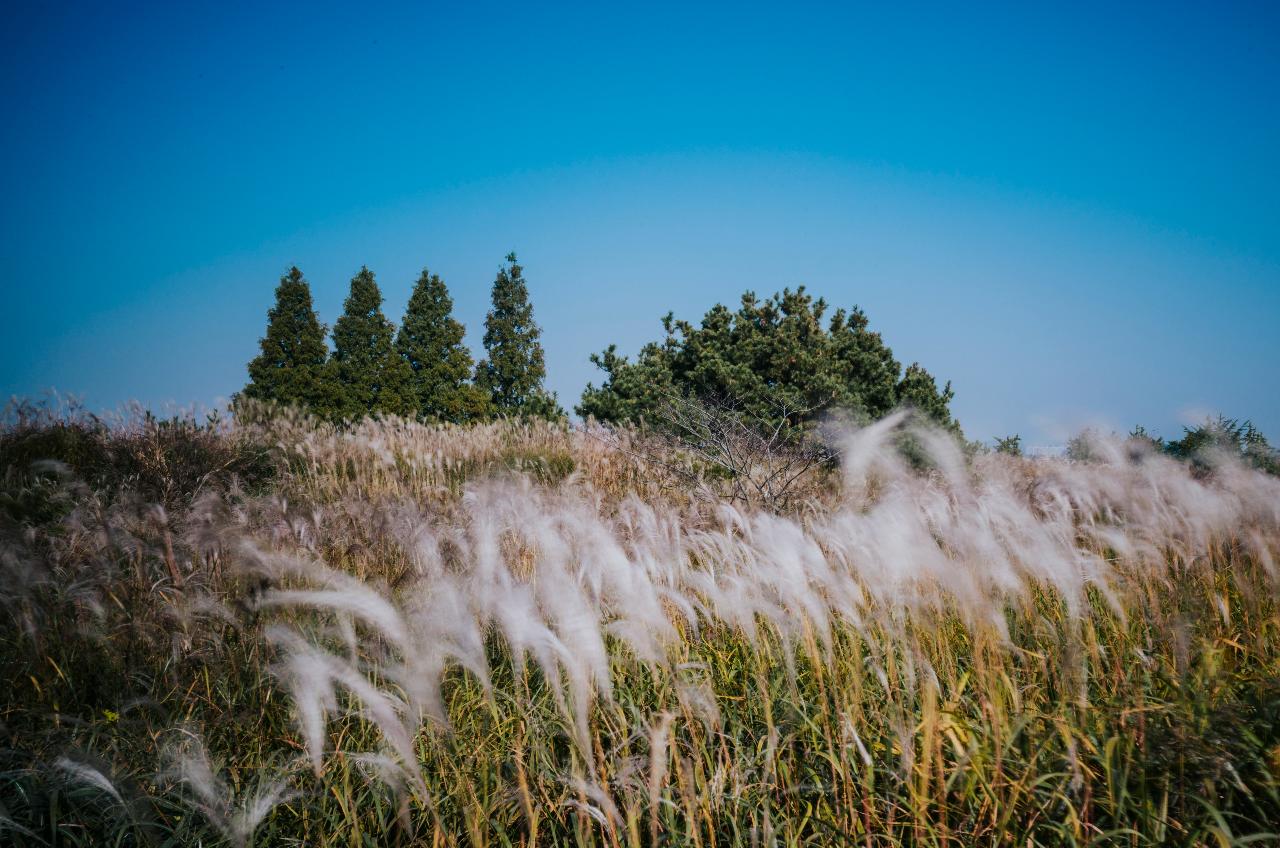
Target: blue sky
{"points": [[1071, 213]]}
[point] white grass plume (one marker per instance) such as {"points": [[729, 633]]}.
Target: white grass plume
{"points": [[235, 820], [561, 575]]}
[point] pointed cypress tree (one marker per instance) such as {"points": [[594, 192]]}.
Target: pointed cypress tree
{"points": [[289, 370], [513, 372], [430, 341], [372, 376]]}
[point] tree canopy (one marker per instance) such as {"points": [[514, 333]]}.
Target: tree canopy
{"points": [[289, 368], [370, 375], [776, 358], [514, 369], [431, 342], [784, 359]]}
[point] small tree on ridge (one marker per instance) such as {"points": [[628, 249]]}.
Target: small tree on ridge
{"points": [[514, 369], [430, 341], [289, 370], [370, 375]]}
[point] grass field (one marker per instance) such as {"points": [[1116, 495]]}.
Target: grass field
{"points": [[278, 633]]}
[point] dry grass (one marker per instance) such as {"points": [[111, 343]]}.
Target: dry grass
{"points": [[530, 634]]}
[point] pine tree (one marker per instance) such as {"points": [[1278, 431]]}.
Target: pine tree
{"points": [[430, 341], [512, 374], [289, 370], [919, 390], [371, 376], [780, 360]]}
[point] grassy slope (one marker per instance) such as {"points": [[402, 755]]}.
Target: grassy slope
{"points": [[944, 701]]}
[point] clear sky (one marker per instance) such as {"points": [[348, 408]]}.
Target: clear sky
{"points": [[1071, 213]]}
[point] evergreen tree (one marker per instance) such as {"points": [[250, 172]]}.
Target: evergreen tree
{"points": [[512, 374], [1010, 445], [430, 341], [918, 390], [289, 370], [773, 359], [371, 376]]}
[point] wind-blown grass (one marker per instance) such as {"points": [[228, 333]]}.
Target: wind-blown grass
{"points": [[521, 633]]}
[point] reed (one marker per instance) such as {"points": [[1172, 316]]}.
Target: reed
{"points": [[529, 633]]}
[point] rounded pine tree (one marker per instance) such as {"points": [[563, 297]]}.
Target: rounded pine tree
{"points": [[918, 389], [780, 362]]}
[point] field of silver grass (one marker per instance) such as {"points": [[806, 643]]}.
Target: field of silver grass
{"points": [[282, 633]]}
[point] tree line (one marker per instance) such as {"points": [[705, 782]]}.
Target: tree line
{"points": [[776, 365], [423, 369], [778, 362]]}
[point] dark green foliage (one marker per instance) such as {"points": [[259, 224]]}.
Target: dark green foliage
{"points": [[1011, 445], [775, 358], [370, 375], [1225, 437], [289, 368], [430, 340], [918, 390], [513, 372]]}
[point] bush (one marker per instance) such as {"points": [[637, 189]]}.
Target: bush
{"points": [[160, 460]]}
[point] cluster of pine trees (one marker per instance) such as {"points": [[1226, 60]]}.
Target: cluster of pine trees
{"points": [[780, 361], [422, 370]]}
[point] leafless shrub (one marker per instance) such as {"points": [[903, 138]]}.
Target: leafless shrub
{"points": [[715, 447]]}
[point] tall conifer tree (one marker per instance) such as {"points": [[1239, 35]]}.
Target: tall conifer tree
{"points": [[430, 341], [512, 374], [289, 370], [371, 376]]}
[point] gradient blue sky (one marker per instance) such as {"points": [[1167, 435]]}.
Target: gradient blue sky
{"points": [[1071, 213]]}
